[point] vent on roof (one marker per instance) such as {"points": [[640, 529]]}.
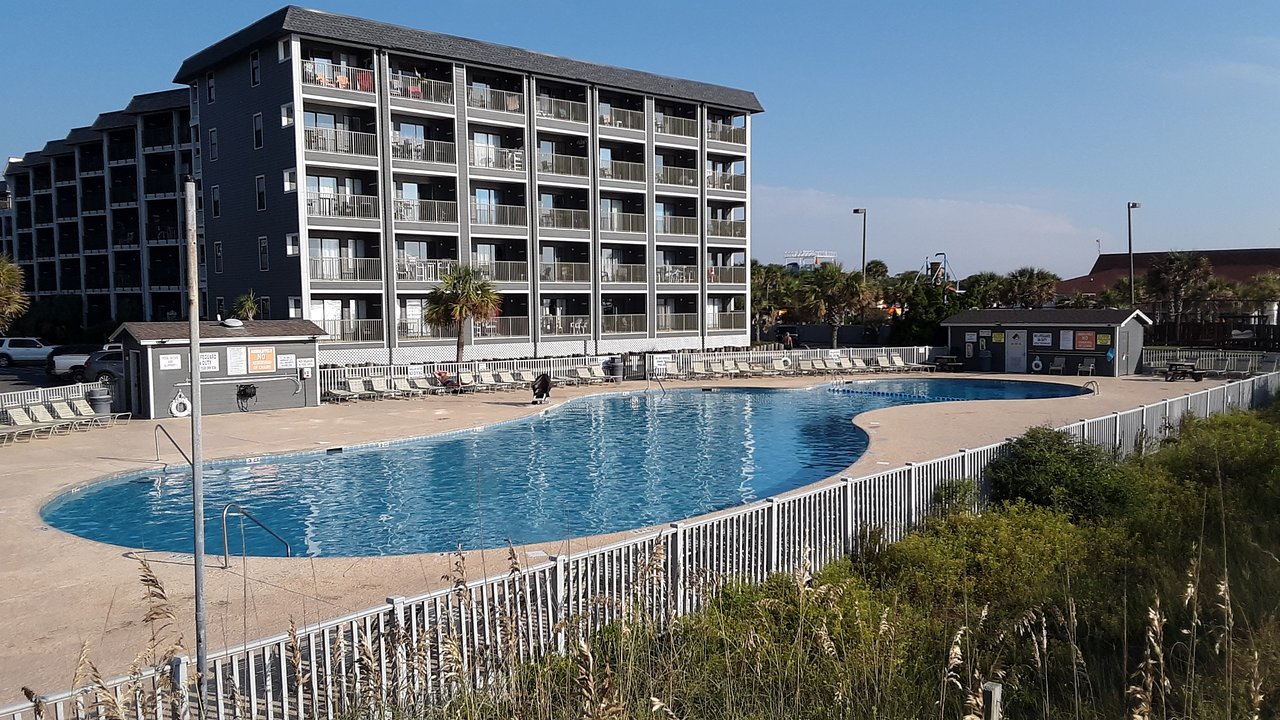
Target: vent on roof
{"points": [[232, 323]]}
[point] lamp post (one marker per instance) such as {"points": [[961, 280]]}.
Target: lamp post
{"points": [[863, 213], [1133, 290]]}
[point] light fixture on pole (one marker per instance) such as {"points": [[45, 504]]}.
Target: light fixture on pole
{"points": [[863, 213], [1133, 291]]}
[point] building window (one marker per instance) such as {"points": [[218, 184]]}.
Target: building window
{"points": [[208, 87], [284, 48], [291, 180], [264, 307], [264, 260], [215, 200], [255, 69], [213, 144], [217, 256], [295, 308], [257, 131], [291, 245], [260, 186], [220, 307], [286, 115]]}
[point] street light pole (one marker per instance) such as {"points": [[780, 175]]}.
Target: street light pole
{"points": [[1133, 290], [863, 213], [197, 446]]}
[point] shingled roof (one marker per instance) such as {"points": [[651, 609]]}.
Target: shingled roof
{"points": [[292, 19], [1237, 265], [213, 330], [81, 135], [56, 147], [175, 99], [113, 120], [1046, 316]]}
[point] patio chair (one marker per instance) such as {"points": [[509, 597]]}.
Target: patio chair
{"points": [[380, 387], [468, 383], [718, 369], [487, 378], [1239, 368], [40, 414], [806, 367], [699, 369], [429, 384], [882, 363], [1087, 366], [742, 368], [845, 365], [356, 387], [781, 367], [10, 433], [598, 373], [760, 369], [1058, 365], [402, 386], [19, 418], [860, 366], [510, 379], [583, 374], [820, 366], [900, 364], [337, 395], [62, 411], [85, 410]]}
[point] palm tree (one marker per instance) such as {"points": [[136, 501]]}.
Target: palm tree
{"points": [[983, 289], [1078, 301], [246, 306], [877, 270], [463, 296], [770, 294], [1176, 277], [13, 302], [1030, 287], [832, 296]]}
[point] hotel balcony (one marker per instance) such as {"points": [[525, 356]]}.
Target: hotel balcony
{"points": [[492, 99], [341, 142], [432, 151], [727, 321], [675, 225], [624, 273], [720, 132], [677, 274], [552, 272], [342, 77], [623, 222], [419, 330], [616, 324], [496, 158], [503, 271], [621, 118], [673, 125], [573, 165], [502, 327], [345, 269], [726, 274], [621, 170], [565, 324], [355, 330], [505, 215], [727, 181], [358, 207], [677, 322], [419, 88], [414, 269], [557, 109], [727, 228], [564, 219], [426, 211], [670, 175]]}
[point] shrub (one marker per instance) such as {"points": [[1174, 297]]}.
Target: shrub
{"points": [[1051, 469]]}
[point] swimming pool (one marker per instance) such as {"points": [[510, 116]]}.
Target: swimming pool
{"points": [[595, 464]]}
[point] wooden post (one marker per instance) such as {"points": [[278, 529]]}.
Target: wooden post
{"points": [[992, 693]]}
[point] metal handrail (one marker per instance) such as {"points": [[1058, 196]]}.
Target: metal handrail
{"points": [[226, 547], [160, 429]]}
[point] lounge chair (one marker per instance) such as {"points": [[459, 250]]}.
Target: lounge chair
{"points": [[468, 383], [13, 433], [699, 369], [379, 386], [860, 366], [820, 366], [507, 378], [428, 384], [806, 367], [597, 373], [1239, 368], [487, 378], [845, 365], [85, 410], [760, 369], [781, 368], [338, 395], [402, 386], [740, 367], [19, 418], [900, 364], [583, 374], [62, 411], [356, 387], [1058, 365], [718, 369], [882, 363], [41, 414], [1086, 366]]}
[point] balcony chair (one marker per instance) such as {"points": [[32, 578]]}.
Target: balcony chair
{"points": [[1059, 364]]}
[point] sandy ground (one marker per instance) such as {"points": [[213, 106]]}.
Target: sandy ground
{"points": [[58, 591]]}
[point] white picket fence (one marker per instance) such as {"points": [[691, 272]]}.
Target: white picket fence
{"points": [[427, 647], [1246, 360], [43, 396]]}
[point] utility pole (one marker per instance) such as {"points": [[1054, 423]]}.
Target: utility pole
{"points": [[197, 448], [1133, 290]]}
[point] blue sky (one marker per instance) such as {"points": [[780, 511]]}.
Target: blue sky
{"points": [[1002, 133]]}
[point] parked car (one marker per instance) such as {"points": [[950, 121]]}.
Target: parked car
{"points": [[67, 361], [23, 350], [105, 366]]}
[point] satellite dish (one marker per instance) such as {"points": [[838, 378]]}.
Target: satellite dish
{"points": [[232, 323]]}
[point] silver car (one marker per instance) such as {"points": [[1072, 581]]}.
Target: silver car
{"points": [[104, 366]]}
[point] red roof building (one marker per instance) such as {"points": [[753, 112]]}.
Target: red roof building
{"points": [[1233, 265]]}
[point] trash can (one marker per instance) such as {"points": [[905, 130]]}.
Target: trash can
{"points": [[615, 366], [984, 361], [99, 399]]}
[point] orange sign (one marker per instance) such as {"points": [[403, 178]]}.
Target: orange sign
{"points": [[262, 359], [1085, 339]]}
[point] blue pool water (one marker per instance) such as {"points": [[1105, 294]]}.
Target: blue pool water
{"points": [[594, 465]]}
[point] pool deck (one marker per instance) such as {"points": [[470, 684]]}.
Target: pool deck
{"points": [[58, 591]]}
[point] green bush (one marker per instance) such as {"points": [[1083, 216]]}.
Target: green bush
{"points": [[1051, 469]]}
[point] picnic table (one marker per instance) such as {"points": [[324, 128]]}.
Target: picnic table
{"points": [[1180, 369]]}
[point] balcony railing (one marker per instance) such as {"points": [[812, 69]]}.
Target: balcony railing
{"points": [[416, 88], [343, 77], [672, 125], [677, 274], [355, 330], [726, 274], [157, 137], [565, 272], [343, 142], [677, 176], [564, 164], [570, 110], [421, 150], [500, 100], [727, 181], [565, 324], [622, 222], [416, 329], [502, 327], [489, 214], [623, 324], [416, 269], [726, 133], [675, 225], [624, 274], [677, 322], [727, 321], [342, 268], [622, 118], [503, 270], [436, 211], [488, 156], [363, 207], [727, 228], [564, 218], [163, 185], [622, 170]]}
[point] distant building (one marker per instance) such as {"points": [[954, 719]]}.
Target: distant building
{"points": [[1234, 265]]}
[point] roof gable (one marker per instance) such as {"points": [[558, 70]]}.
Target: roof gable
{"points": [[1046, 316]]}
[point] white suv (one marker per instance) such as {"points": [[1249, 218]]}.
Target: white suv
{"points": [[23, 350]]}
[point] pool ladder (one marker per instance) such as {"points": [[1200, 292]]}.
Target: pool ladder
{"points": [[1093, 385], [226, 547]]}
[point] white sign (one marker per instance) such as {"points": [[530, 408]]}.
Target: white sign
{"points": [[984, 333], [171, 362], [209, 362], [971, 337], [833, 353], [660, 362], [1066, 339], [306, 362], [286, 362], [1042, 339], [237, 361]]}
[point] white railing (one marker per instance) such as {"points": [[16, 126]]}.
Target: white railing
{"points": [[727, 321], [433, 151], [678, 274], [364, 207], [417, 88], [343, 77], [726, 274], [423, 270], [565, 324], [574, 165], [427, 647], [727, 181], [1242, 360], [336, 377], [671, 175], [622, 222], [41, 396], [623, 323], [419, 330], [497, 158], [622, 118], [341, 268], [672, 125], [488, 214], [622, 170], [343, 142], [557, 109], [723, 132], [502, 270], [500, 100], [437, 211], [564, 218], [727, 228], [565, 272], [619, 273], [677, 322], [353, 330], [675, 225], [502, 327]]}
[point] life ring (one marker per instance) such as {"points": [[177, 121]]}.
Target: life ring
{"points": [[1036, 365], [181, 406], [786, 362]]}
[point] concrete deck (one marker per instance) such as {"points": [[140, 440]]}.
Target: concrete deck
{"points": [[58, 591]]}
